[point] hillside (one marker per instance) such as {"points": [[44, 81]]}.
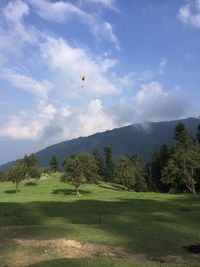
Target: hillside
{"points": [[142, 139]]}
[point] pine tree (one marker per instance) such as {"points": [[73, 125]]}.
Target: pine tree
{"points": [[198, 134], [184, 164], [109, 165], [182, 136], [100, 164], [54, 164]]}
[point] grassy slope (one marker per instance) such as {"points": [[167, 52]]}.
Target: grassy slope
{"points": [[154, 224]]}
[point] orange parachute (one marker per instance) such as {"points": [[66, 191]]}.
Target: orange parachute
{"points": [[82, 77]]}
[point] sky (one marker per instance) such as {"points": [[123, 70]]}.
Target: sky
{"points": [[140, 59]]}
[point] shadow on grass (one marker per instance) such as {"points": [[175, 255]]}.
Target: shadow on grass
{"points": [[111, 187], [89, 262], [31, 183], [11, 191], [69, 191], [153, 227]]}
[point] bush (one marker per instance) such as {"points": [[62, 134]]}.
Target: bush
{"points": [[3, 177]]}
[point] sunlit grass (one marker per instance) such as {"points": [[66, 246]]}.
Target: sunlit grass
{"points": [[153, 224]]}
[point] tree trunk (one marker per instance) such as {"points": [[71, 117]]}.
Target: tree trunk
{"points": [[17, 190], [193, 189], [77, 192]]}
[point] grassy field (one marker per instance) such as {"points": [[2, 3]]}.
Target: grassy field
{"points": [[109, 227]]}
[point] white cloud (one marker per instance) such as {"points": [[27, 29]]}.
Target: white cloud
{"points": [[51, 124], [95, 120], [48, 111], [14, 13], [65, 111], [17, 129], [61, 11], [106, 3], [190, 13], [55, 11], [71, 62], [154, 103], [26, 126], [26, 83]]}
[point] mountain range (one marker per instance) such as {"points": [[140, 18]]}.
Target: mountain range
{"points": [[141, 138]]}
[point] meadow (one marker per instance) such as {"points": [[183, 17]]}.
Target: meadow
{"points": [[48, 225]]}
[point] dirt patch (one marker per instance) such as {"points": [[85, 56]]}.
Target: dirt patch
{"points": [[43, 250]]}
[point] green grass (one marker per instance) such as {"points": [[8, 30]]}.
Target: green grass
{"points": [[153, 224]]}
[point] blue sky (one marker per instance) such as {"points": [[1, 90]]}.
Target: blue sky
{"points": [[140, 59]]}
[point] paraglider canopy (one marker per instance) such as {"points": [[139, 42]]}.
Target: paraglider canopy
{"points": [[82, 77]]}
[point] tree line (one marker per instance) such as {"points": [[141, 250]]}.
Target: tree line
{"points": [[171, 168]]}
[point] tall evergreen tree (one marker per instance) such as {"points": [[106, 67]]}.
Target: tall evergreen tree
{"points": [[198, 150], [109, 164], [182, 136], [54, 164], [100, 164], [155, 166], [198, 134], [184, 164]]}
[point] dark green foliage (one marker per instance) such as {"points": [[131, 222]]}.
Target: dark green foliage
{"points": [[181, 168], [182, 136], [17, 173], [124, 173], [32, 169], [198, 134], [155, 166], [30, 161], [80, 169], [100, 164], [109, 164], [184, 165], [139, 173], [3, 176], [54, 164]]}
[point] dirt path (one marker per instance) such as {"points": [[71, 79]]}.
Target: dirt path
{"points": [[27, 251]]}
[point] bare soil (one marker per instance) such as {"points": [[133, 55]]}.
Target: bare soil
{"points": [[44, 250]]}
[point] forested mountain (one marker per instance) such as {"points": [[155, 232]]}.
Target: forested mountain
{"points": [[142, 139]]}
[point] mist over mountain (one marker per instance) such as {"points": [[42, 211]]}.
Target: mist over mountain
{"points": [[140, 139]]}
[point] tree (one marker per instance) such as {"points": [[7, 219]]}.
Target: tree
{"points": [[32, 170], [17, 173], [198, 150], [139, 174], [80, 169], [184, 164], [109, 165], [198, 134], [182, 136], [125, 173], [100, 164], [54, 164], [181, 169], [155, 167], [3, 176], [30, 161], [152, 171]]}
